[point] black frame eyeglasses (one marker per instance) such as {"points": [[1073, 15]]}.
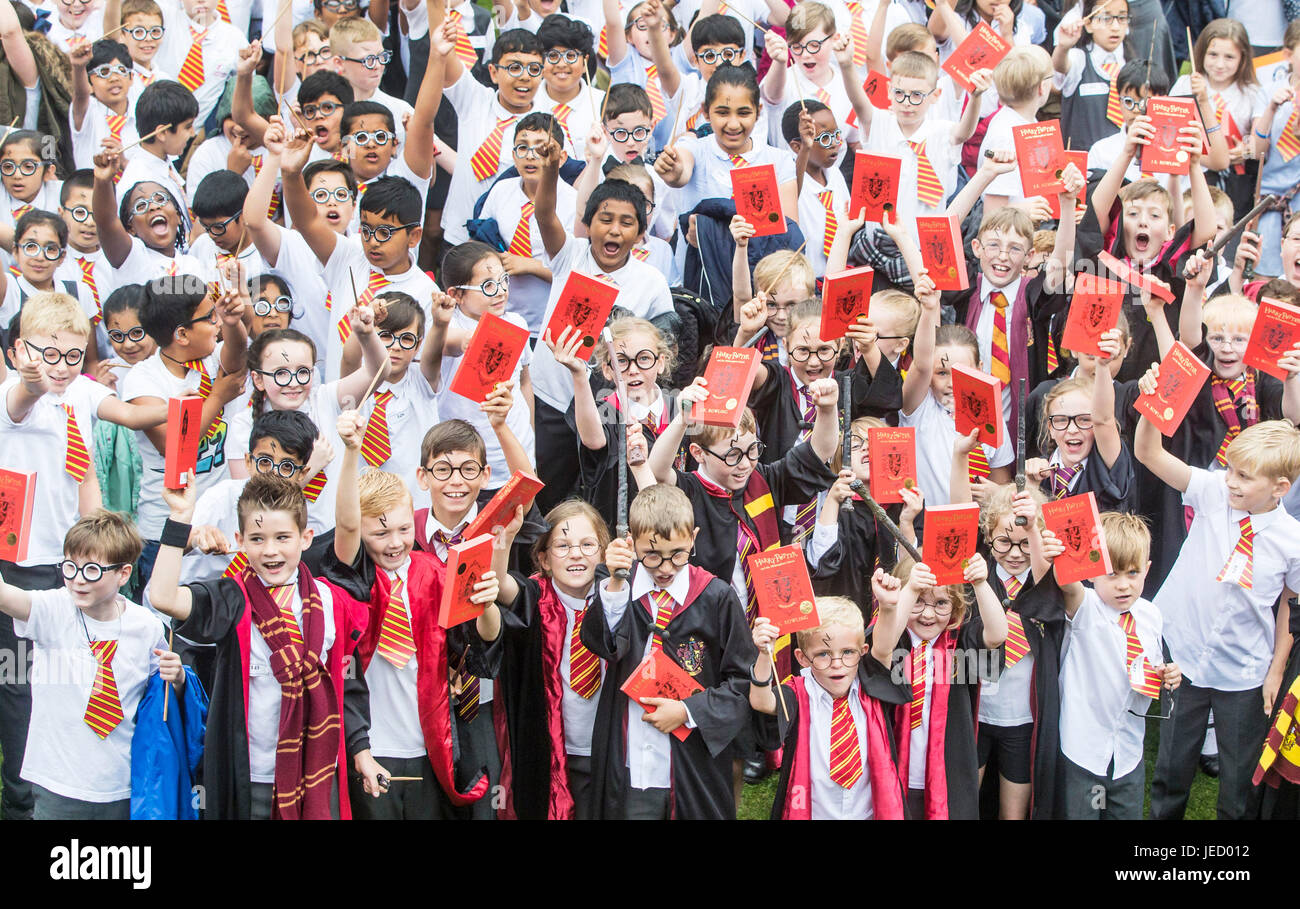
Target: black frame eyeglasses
{"points": [[91, 571], [284, 376], [52, 356], [442, 470], [734, 454], [287, 469]]}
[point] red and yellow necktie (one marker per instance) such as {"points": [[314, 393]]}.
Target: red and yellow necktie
{"points": [[521, 244], [561, 115], [658, 109], [827, 199], [584, 667], [283, 597], [1017, 647], [1001, 365], [20, 211], [663, 603], [1149, 684], [1013, 586], [463, 49], [88, 278], [978, 465], [918, 684], [236, 566], [104, 709], [846, 755], [1246, 549], [311, 492], [806, 513], [736, 160], [396, 640], [640, 253], [602, 43], [375, 445], [928, 188], [487, 160], [76, 460], [116, 122], [1288, 143], [205, 389], [191, 75], [858, 32], [374, 284], [223, 11], [1113, 113]]}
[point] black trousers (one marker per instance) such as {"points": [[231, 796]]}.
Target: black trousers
{"points": [[579, 768], [420, 799], [16, 693], [478, 753]]}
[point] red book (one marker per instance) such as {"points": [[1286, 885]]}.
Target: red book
{"points": [[184, 433], [942, 251], [951, 532], [1094, 309], [1077, 523], [729, 377], [17, 500], [892, 452], [875, 185], [877, 88], [1079, 158], [467, 562], [1181, 378], [978, 400], [784, 590], [657, 676], [520, 489], [758, 199], [1276, 331], [1040, 155], [490, 357], [845, 297], [584, 304], [1164, 154], [983, 48], [1130, 275]]}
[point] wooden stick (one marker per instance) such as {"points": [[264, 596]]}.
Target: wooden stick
{"points": [[591, 95], [267, 29], [732, 9], [677, 118], [1191, 54], [12, 124], [126, 148], [404, 779], [603, 102], [167, 686], [795, 71], [776, 282], [1096, 11], [884, 520], [104, 37], [776, 683]]}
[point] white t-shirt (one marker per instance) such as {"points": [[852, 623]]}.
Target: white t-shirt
{"points": [[411, 413], [221, 46], [312, 306], [887, 139], [812, 213], [1006, 701], [87, 140], [143, 264], [936, 433]]}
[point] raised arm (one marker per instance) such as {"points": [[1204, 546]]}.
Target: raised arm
{"points": [[1105, 428], [825, 436], [591, 176], [916, 385], [741, 285], [435, 344], [669, 78], [507, 586], [14, 602], [1002, 161], [664, 450], [1140, 133], [165, 591], [615, 35], [241, 100], [554, 236], [591, 429], [842, 46], [991, 612], [1058, 263], [79, 54], [302, 211], [347, 502], [373, 352], [773, 84], [265, 234], [113, 237], [981, 81], [420, 151], [1148, 448], [17, 53], [1196, 274]]}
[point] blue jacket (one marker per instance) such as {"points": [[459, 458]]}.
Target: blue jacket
{"points": [[708, 268], [165, 756]]}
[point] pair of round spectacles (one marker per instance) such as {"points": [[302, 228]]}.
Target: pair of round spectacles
{"points": [[285, 468], [143, 204], [733, 455], [263, 308], [1003, 545], [406, 340], [371, 61], [52, 251], [139, 32], [639, 134], [554, 57], [321, 110], [135, 334], [468, 470], [91, 571], [108, 71], [80, 213], [363, 138], [26, 168], [940, 609], [339, 194], [848, 659], [1061, 422], [53, 356], [644, 359], [654, 559], [812, 47], [726, 55], [311, 58], [518, 69], [914, 98], [385, 233], [489, 288], [586, 547], [825, 353], [529, 152], [284, 376], [218, 228], [829, 139]]}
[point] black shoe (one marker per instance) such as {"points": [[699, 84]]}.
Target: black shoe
{"points": [[756, 769], [1210, 765]]}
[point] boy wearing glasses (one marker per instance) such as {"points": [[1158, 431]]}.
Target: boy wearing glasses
{"points": [[94, 653], [201, 49], [87, 262], [359, 56], [142, 33], [663, 603], [566, 94], [102, 98]]}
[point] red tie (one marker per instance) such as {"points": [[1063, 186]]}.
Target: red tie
{"points": [[858, 32], [205, 389], [928, 187], [521, 244], [1001, 365], [978, 466], [88, 278], [1017, 644], [487, 160], [1245, 549], [832, 223], [657, 107], [584, 667], [76, 460], [375, 283], [846, 755], [396, 640], [464, 50], [561, 115], [736, 160], [104, 709], [315, 486], [1288, 143], [663, 603], [1149, 685], [191, 75], [375, 445], [918, 684], [1113, 113]]}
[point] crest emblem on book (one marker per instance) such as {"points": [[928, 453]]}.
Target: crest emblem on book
{"points": [[1040, 157], [1275, 337], [1168, 134], [1172, 387], [4, 509], [1073, 536], [849, 302], [1096, 315], [953, 544], [491, 359], [977, 57], [580, 312], [757, 198], [973, 404], [894, 464], [937, 249], [690, 654], [874, 185], [780, 588]]}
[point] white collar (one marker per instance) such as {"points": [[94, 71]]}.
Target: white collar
{"points": [[1011, 291], [1003, 574], [643, 583], [573, 604], [815, 689], [432, 525], [401, 572], [655, 408]]}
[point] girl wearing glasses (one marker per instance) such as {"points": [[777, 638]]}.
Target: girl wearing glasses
{"points": [[1088, 57], [27, 178], [40, 244], [142, 237]]}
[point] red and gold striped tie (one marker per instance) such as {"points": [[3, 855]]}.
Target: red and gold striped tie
{"points": [[928, 188], [846, 755], [76, 460], [283, 597], [223, 11], [858, 32], [487, 160], [463, 49], [1001, 365], [806, 514], [561, 115], [736, 160], [20, 211], [664, 605], [640, 253], [744, 549], [274, 205], [205, 389], [827, 199], [978, 466], [104, 709], [374, 284], [1149, 684], [521, 244], [1113, 113], [1288, 143], [1013, 586], [236, 566], [191, 75], [311, 492], [375, 445], [658, 109], [584, 667], [918, 684], [602, 43], [1245, 548], [88, 278], [1017, 644], [115, 124], [396, 640]]}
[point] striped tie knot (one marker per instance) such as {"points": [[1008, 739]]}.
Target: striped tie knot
{"points": [[561, 115], [663, 603], [104, 709], [236, 566], [1288, 143], [640, 253], [1001, 365], [658, 109], [917, 710], [1013, 586], [20, 211], [1062, 476], [1113, 114], [1017, 645], [88, 278], [1240, 566], [448, 539], [929, 189], [463, 49], [223, 11], [827, 199], [858, 32], [846, 753], [115, 124], [376, 447], [736, 160], [205, 379], [584, 666], [76, 459], [521, 244], [396, 639], [465, 687]]}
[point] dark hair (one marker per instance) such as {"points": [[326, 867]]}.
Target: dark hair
{"points": [[35, 218], [540, 122], [394, 197], [617, 191], [124, 209], [293, 429], [128, 297], [458, 264], [80, 179], [716, 29], [516, 41], [1086, 9], [164, 103], [257, 349], [325, 82], [451, 435], [169, 304], [1133, 75], [558, 30], [268, 492], [790, 119], [966, 9], [258, 283], [363, 109], [626, 98], [28, 137], [739, 76], [330, 166], [402, 311], [103, 51], [220, 195]]}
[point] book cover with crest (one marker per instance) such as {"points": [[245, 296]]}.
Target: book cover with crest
{"points": [[892, 453], [982, 48], [1276, 331], [1079, 158], [490, 357], [845, 297], [977, 401], [729, 377], [1164, 154], [1094, 310], [584, 304], [467, 562], [1181, 376], [1077, 524], [951, 534], [658, 676], [942, 251], [758, 198], [875, 185], [784, 590], [1040, 156]]}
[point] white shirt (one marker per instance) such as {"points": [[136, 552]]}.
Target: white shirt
{"points": [[1067, 83], [583, 110], [46, 199], [313, 310], [221, 45], [711, 175], [87, 140], [1096, 694], [812, 213], [830, 800], [833, 94], [578, 713], [984, 327], [39, 444], [505, 203], [63, 753], [998, 137], [400, 110], [411, 413], [936, 433], [1005, 702], [1219, 633], [1244, 104], [18, 289], [143, 264], [920, 737], [92, 29], [211, 155], [887, 139], [395, 730]]}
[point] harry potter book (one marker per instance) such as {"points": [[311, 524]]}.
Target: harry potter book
{"points": [[519, 490], [184, 433], [877, 88], [942, 252], [875, 185], [977, 398], [17, 501], [490, 357], [1164, 154], [1130, 275], [784, 590], [1094, 310], [584, 304], [1040, 155], [1276, 331], [758, 199], [1077, 524], [983, 48], [951, 532], [1079, 158], [728, 378], [1181, 376], [657, 676], [467, 562], [892, 453], [845, 298]]}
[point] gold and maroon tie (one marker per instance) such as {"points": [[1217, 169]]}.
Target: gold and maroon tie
{"points": [[375, 283], [918, 684], [929, 189], [487, 160], [521, 244], [846, 755], [104, 709], [191, 75], [311, 492], [223, 11], [396, 640], [663, 603], [1001, 365], [1017, 647], [1246, 548], [375, 445], [584, 667], [76, 459]]}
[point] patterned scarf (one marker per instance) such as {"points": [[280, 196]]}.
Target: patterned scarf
{"points": [[1234, 400]]}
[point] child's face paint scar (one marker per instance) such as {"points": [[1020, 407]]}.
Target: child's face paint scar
{"points": [[257, 519], [383, 521]]}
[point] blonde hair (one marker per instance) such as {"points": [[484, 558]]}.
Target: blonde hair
{"points": [[799, 272], [103, 534], [805, 311], [865, 423], [349, 32], [805, 18], [48, 312], [623, 326], [381, 492], [310, 27], [833, 612], [637, 175], [1222, 201], [567, 510], [910, 37], [1128, 540], [662, 510], [1230, 311], [1268, 449], [708, 436], [900, 304], [140, 8], [915, 65], [1020, 73], [1058, 391], [1143, 189], [1044, 241], [956, 592], [1010, 219], [998, 504]]}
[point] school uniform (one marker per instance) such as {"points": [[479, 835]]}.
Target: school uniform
{"points": [[843, 556], [598, 467], [1103, 717], [1277, 176], [575, 116], [800, 87], [1085, 93], [933, 138], [693, 118], [936, 434], [1115, 487], [98, 280], [211, 155], [1221, 635], [17, 292], [637, 771], [142, 264], [818, 204], [220, 44], [313, 306], [711, 176], [100, 123], [46, 199], [60, 35], [1235, 108]]}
